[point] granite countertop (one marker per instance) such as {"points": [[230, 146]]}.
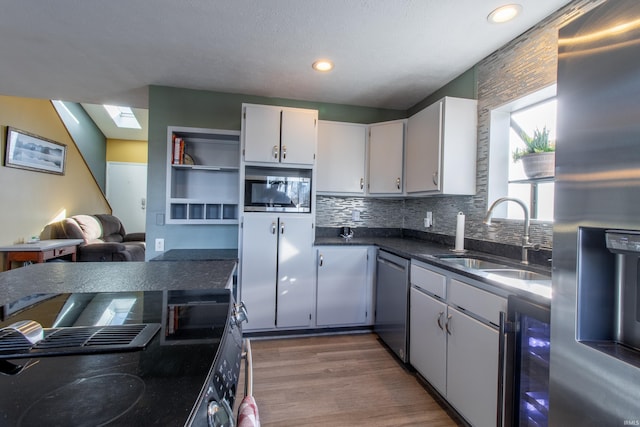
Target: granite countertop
{"points": [[429, 252], [197, 255], [61, 277]]}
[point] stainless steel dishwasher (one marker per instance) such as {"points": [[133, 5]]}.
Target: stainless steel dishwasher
{"points": [[392, 303]]}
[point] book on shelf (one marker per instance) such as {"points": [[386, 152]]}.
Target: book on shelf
{"points": [[177, 150]]}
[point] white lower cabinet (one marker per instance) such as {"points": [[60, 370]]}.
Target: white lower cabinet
{"points": [[454, 341], [472, 368], [428, 339], [277, 270], [344, 286]]}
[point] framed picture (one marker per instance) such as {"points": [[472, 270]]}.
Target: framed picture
{"points": [[32, 152]]}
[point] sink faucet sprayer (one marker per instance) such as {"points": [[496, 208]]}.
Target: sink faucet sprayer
{"points": [[526, 242]]}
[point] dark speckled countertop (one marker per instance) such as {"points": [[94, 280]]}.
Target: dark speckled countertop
{"points": [[113, 276], [429, 252], [197, 255]]}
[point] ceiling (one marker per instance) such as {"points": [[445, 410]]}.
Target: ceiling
{"points": [[387, 54]]}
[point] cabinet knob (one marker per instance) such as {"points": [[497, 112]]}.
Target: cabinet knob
{"points": [[321, 260], [275, 151], [273, 228], [282, 228], [284, 151], [362, 183], [398, 183], [435, 178], [440, 320]]}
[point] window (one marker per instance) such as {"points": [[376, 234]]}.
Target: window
{"points": [[506, 177], [539, 193], [123, 117]]}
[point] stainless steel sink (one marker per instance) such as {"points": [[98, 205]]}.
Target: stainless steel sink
{"points": [[483, 265], [474, 263], [513, 273]]}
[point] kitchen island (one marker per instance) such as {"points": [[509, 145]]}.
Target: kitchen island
{"points": [[57, 277], [120, 343]]}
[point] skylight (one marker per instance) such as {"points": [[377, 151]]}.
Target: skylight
{"points": [[117, 311], [123, 117]]}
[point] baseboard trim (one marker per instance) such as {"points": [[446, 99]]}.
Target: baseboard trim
{"points": [[297, 333]]}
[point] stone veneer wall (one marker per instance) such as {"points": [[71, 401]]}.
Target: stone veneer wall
{"points": [[521, 67]]}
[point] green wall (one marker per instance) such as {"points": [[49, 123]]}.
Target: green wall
{"points": [[463, 86], [88, 137], [170, 106]]}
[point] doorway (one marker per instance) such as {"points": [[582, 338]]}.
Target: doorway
{"points": [[127, 193]]}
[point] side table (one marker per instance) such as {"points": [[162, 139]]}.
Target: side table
{"points": [[40, 251]]}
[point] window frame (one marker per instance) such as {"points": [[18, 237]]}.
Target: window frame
{"points": [[499, 154]]}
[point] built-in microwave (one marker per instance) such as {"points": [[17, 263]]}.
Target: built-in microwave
{"points": [[277, 190]]}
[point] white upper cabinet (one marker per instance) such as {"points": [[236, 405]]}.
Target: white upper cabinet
{"points": [[441, 148], [279, 135], [341, 158], [386, 144]]}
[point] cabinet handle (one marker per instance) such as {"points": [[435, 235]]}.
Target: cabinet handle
{"points": [[284, 151], [440, 320], [362, 183], [275, 151], [502, 354], [282, 228], [273, 228], [446, 325], [398, 183], [434, 177], [321, 260]]}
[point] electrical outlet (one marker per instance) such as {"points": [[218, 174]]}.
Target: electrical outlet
{"points": [[355, 215], [159, 245], [428, 220]]}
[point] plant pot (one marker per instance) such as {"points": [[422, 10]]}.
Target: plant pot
{"points": [[539, 165]]}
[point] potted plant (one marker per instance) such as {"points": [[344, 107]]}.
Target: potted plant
{"points": [[538, 156]]}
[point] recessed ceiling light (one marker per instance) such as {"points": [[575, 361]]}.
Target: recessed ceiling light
{"points": [[323, 65], [504, 13]]}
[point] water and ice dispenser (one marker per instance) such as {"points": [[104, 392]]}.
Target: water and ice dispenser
{"points": [[626, 247], [608, 292]]}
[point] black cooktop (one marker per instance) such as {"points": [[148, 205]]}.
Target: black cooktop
{"points": [[156, 382]]}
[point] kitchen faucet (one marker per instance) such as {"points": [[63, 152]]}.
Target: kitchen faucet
{"points": [[526, 242]]}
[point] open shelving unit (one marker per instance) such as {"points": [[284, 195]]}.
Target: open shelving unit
{"points": [[203, 178]]}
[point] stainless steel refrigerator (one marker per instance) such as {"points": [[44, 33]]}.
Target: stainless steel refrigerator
{"points": [[595, 309]]}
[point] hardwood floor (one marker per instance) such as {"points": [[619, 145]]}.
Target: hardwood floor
{"points": [[339, 380]]}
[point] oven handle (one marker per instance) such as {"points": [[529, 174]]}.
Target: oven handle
{"points": [[248, 367]]}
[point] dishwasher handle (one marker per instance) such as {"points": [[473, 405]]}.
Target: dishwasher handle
{"points": [[391, 263]]}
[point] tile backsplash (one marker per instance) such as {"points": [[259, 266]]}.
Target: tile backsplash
{"points": [[333, 212], [374, 213]]}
